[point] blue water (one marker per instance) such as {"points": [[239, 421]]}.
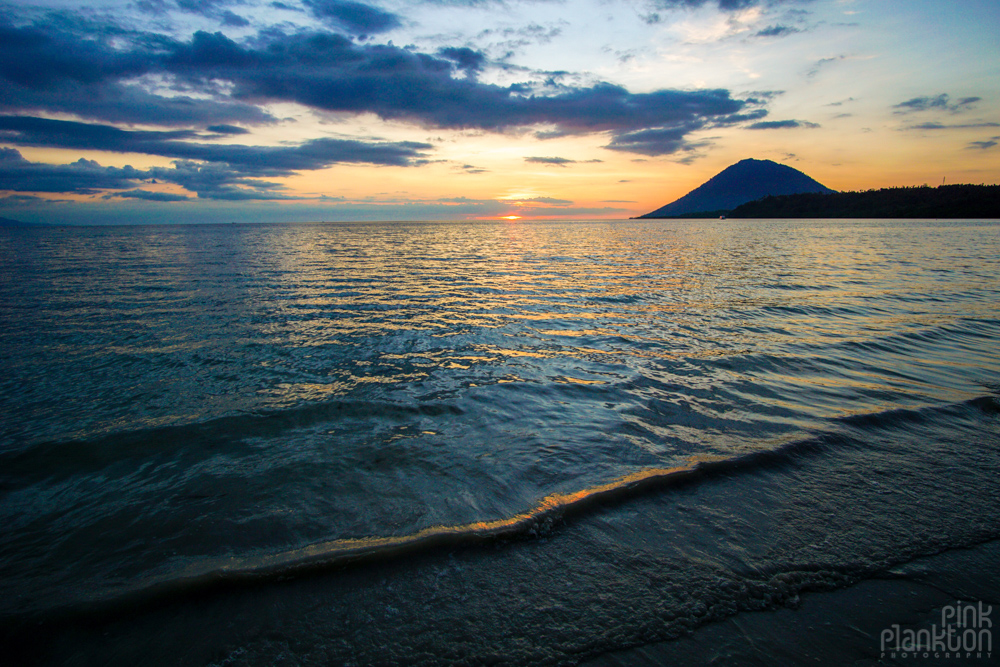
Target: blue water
{"points": [[398, 443]]}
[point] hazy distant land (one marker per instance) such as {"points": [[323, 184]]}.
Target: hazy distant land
{"points": [[10, 222]]}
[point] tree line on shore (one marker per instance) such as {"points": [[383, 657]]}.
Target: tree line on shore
{"points": [[945, 201]]}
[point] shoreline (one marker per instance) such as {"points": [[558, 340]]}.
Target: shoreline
{"points": [[842, 627]]}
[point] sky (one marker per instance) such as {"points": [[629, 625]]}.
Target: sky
{"points": [[182, 111]]}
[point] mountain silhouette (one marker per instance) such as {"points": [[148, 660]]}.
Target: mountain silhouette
{"points": [[747, 180]]}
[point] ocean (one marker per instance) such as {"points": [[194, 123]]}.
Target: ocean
{"points": [[551, 443]]}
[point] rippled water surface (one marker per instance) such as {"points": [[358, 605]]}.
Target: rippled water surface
{"points": [[191, 404]]}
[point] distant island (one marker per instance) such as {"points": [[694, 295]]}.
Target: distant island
{"points": [[745, 181], [765, 189]]}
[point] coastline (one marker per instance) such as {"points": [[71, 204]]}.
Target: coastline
{"points": [[843, 626]]}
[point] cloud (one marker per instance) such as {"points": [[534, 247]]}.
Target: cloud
{"points": [[117, 103], [218, 182], [149, 195], [227, 129], [80, 177], [725, 5], [923, 103], [555, 161], [822, 63], [100, 73], [983, 145], [228, 172], [234, 20], [256, 160], [200, 89], [46, 66], [780, 124], [548, 201], [942, 126], [204, 7], [89, 177], [657, 141], [39, 56], [22, 200], [777, 31], [471, 169], [466, 59], [355, 17], [938, 102], [509, 40], [331, 73]]}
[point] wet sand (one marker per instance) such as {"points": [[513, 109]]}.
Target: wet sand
{"points": [[842, 627]]}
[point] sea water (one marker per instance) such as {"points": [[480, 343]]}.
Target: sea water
{"points": [[478, 442]]}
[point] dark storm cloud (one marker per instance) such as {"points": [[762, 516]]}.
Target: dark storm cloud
{"points": [[940, 102], [780, 124], [355, 17]]}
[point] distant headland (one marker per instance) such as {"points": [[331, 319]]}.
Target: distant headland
{"points": [[765, 189], [10, 222]]}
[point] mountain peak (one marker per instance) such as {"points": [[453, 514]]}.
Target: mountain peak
{"points": [[747, 180]]}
